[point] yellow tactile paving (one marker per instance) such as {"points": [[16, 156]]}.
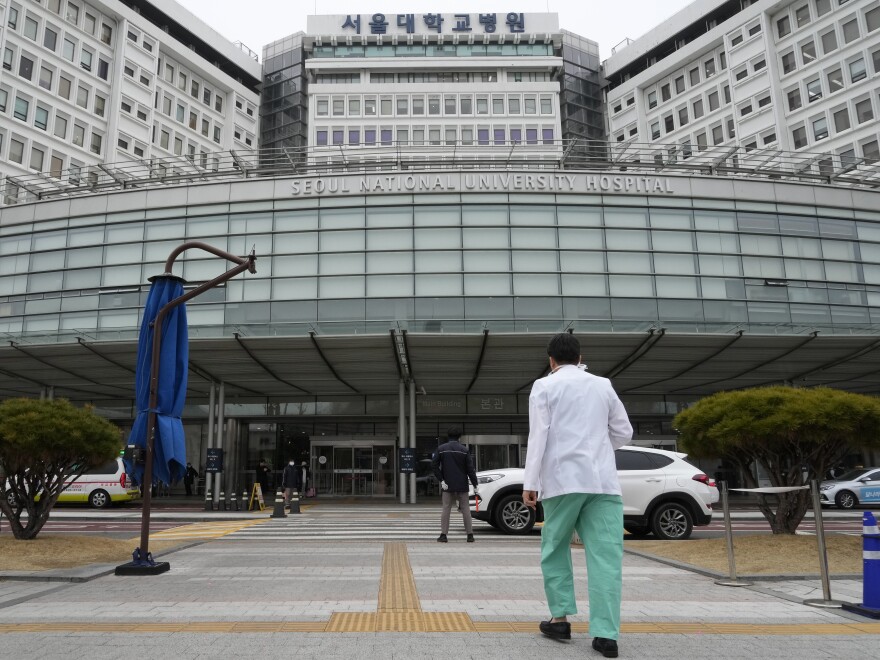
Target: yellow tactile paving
{"points": [[204, 530], [397, 589], [415, 621]]}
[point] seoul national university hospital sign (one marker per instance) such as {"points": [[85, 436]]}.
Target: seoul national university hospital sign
{"points": [[478, 182]]}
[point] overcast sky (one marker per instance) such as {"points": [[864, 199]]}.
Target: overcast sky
{"points": [[257, 22]]}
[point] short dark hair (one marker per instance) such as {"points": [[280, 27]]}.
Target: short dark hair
{"points": [[453, 432], [564, 348]]}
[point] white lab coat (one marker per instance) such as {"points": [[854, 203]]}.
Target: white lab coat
{"points": [[576, 422]]}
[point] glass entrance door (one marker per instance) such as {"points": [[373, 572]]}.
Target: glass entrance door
{"points": [[353, 468]]}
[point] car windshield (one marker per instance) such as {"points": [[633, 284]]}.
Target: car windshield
{"points": [[852, 475]]}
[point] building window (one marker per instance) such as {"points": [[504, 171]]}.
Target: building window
{"points": [[546, 105], [717, 135], [217, 134], [322, 108], [794, 99], [668, 124], [858, 70], [85, 59], [12, 20], [870, 150], [25, 67], [754, 29], [682, 116], [22, 107], [737, 40], [206, 96], [850, 31], [741, 74], [802, 15], [41, 118], [808, 52], [820, 129], [864, 111], [103, 69], [45, 78], [764, 101], [709, 67], [789, 63], [698, 108], [8, 56], [4, 98], [799, 137], [106, 34], [64, 87], [60, 127], [218, 103], [50, 39], [164, 139], [79, 135], [206, 127], [823, 7], [694, 76], [322, 138], [783, 26], [402, 105], [37, 159], [713, 101], [665, 93], [829, 42], [679, 85], [68, 49], [769, 138], [16, 150], [655, 130], [57, 164], [872, 19], [100, 104], [814, 90], [30, 28], [841, 120], [760, 64], [835, 81], [72, 14], [746, 109], [449, 105], [652, 98]]}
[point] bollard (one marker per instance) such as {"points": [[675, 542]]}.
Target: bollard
{"points": [[244, 501], [826, 600], [870, 605], [221, 505], [233, 502], [731, 581], [294, 502], [209, 503], [278, 511]]}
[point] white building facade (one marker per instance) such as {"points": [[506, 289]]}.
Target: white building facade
{"points": [[778, 75], [86, 83]]}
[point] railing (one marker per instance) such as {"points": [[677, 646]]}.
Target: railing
{"points": [[442, 155]]}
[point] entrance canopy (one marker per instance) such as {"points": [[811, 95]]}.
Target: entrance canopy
{"points": [[657, 363]]}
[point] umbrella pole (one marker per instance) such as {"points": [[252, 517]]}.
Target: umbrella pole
{"points": [[151, 436]]}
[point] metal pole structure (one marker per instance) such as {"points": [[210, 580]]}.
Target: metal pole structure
{"points": [[401, 432], [244, 264], [826, 600], [728, 533], [218, 443], [412, 437]]}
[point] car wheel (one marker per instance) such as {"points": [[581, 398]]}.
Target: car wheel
{"points": [[514, 517], [100, 499], [637, 531], [11, 499], [846, 500], [672, 521]]}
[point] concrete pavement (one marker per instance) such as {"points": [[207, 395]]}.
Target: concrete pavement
{"points": [[353, 597]]}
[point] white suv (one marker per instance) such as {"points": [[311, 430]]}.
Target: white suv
{"points": [[662, 493]]}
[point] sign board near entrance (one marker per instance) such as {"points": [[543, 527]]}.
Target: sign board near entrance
{"points": [[407, 460], [257, 496], [214, 460]]}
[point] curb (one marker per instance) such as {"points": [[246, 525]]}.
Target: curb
{"points": [[89, 571], [757, 578]]}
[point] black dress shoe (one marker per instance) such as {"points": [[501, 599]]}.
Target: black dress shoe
{"points": [[558, 630], [607, 647], [442, 539], [470, 538]]}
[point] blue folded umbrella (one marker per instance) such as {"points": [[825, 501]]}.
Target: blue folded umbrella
{"points": [[169, 452]]}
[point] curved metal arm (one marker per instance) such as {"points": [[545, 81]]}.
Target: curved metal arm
{"points": [[250, 259]]}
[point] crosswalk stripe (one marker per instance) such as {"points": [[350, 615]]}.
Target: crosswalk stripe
{"points": [[205, 530]]}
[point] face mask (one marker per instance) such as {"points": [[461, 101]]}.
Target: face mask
{"points": [[291, 463]]}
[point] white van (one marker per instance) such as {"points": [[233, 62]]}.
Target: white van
{"points": [[101, 486]]}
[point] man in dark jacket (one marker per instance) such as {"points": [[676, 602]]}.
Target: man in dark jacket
{"points": [[189, 477], [290, 480], [453, 466]]}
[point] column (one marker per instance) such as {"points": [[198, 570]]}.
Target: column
{"points": [[218, 484], [401, 433], [212, 403], [412, 437]]}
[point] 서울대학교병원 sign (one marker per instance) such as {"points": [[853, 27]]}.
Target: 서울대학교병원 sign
{"points": [[508, 22]]}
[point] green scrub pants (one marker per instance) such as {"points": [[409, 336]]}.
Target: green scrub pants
{"points": [[598, 519]]}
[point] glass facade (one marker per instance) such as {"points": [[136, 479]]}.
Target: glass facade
{"points": [[455, 263]]}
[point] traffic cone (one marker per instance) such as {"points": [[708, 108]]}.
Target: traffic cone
{"points": [[870, 605], [294, 502], [233, 502], [278, 511], [209, 503], [244, 501], [222, 502]]}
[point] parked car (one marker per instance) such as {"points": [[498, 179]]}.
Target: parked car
{"points": [[851, 488], [663, 494], [99, 487]]}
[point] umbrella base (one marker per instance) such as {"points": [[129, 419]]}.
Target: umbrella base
{"points": [[139, 568]]}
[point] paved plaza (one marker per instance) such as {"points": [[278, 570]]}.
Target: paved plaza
{"points": [[272, 588]]}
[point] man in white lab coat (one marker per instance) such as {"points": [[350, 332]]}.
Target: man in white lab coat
{"points": [[576, 422]]}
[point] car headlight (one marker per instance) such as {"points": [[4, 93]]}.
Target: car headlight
{"points": [[826, 486], [488, 478]]}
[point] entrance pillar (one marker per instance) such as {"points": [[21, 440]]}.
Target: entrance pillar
{"points": [[212, 403], [412, 437], [219, 441], [401, 433]]}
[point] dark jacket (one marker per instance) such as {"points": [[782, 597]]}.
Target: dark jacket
{"points": [[453, 464], [190, 475], [291, 478]]}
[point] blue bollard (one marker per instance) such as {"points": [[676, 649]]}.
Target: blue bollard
{"points": [[870, 605]]}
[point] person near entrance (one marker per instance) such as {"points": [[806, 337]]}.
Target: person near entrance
{"points": [[189, 477], [291, 480], [453, 467], [263, 472], [576, 422]]}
